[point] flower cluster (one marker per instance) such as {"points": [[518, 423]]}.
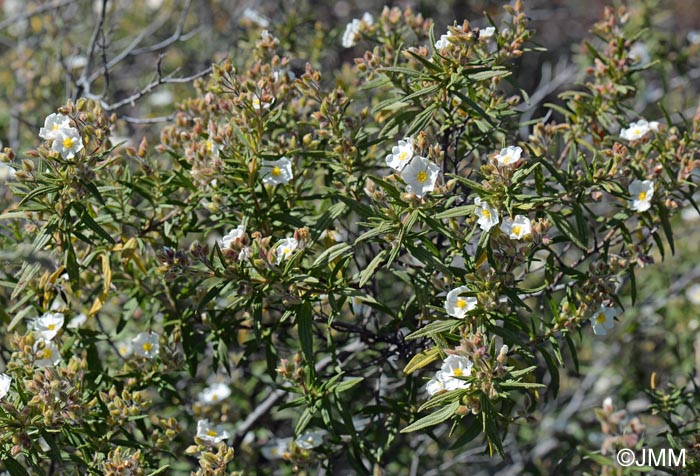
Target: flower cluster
{"points": [[65, 139], [419, 173], [352, 31], [451, 375]]}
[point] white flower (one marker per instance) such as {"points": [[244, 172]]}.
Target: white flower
{"points": [[231, 237], [213, 147], [5, 381], [211, 434], [693, 293], [509, 156], [77, 321], [455, 366], [244, 254], [125, 349], [276, 449], [67, 142], [352, 30], [420, 176], [436, 384], [258, 104], [46, 353], [518, 228], [310, 439], [487, 33], [693, 37], [160, 98], [254, 17], [639, 54], [488, 216], [457, 305], [48, 325], [285, 248], [146, 344], [275, 172], [282, 73], [52, 124], [214, 394], [639, 129], [603, 320], [641, 193], [443, 42], [401, 154], [6, 172]]}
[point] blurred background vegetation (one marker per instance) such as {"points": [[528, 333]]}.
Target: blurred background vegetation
{"points": [[145, 58]]}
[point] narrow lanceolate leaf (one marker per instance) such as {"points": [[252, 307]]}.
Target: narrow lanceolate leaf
{"points": [[305, 326], [421, 360], [433, 419], [436, 327], [347, 384], [368, 272]]}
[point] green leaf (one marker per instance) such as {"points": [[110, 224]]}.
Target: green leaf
{"points": [[368, 272], [473, 429], [666, 225], [347, 384], [331, 254], [90, 222], [421, 360], [14, 467], [568, 230], [433, 419], [435, 327], [494, 73], [160, 470], [461, 211], [422, 119], [305, 329]]}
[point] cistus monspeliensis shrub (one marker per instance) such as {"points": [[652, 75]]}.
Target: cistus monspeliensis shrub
{"points": [[326, 270]]}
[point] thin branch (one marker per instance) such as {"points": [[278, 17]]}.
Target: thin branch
{"points": [[169, 79], [38, 11]]}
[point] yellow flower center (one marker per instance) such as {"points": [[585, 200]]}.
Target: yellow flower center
{"points": [[636, 132], [214, 396], [461, 303], [46, 353], [422, 176], [276, 171], [212, 433], [51, 327], [642, 196], [54, 127], [457, 372], [147, 346], [517, 229], [210, 145], [68, 142], [485, 213], [506, 158], [601, 318], [403, 155]]}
